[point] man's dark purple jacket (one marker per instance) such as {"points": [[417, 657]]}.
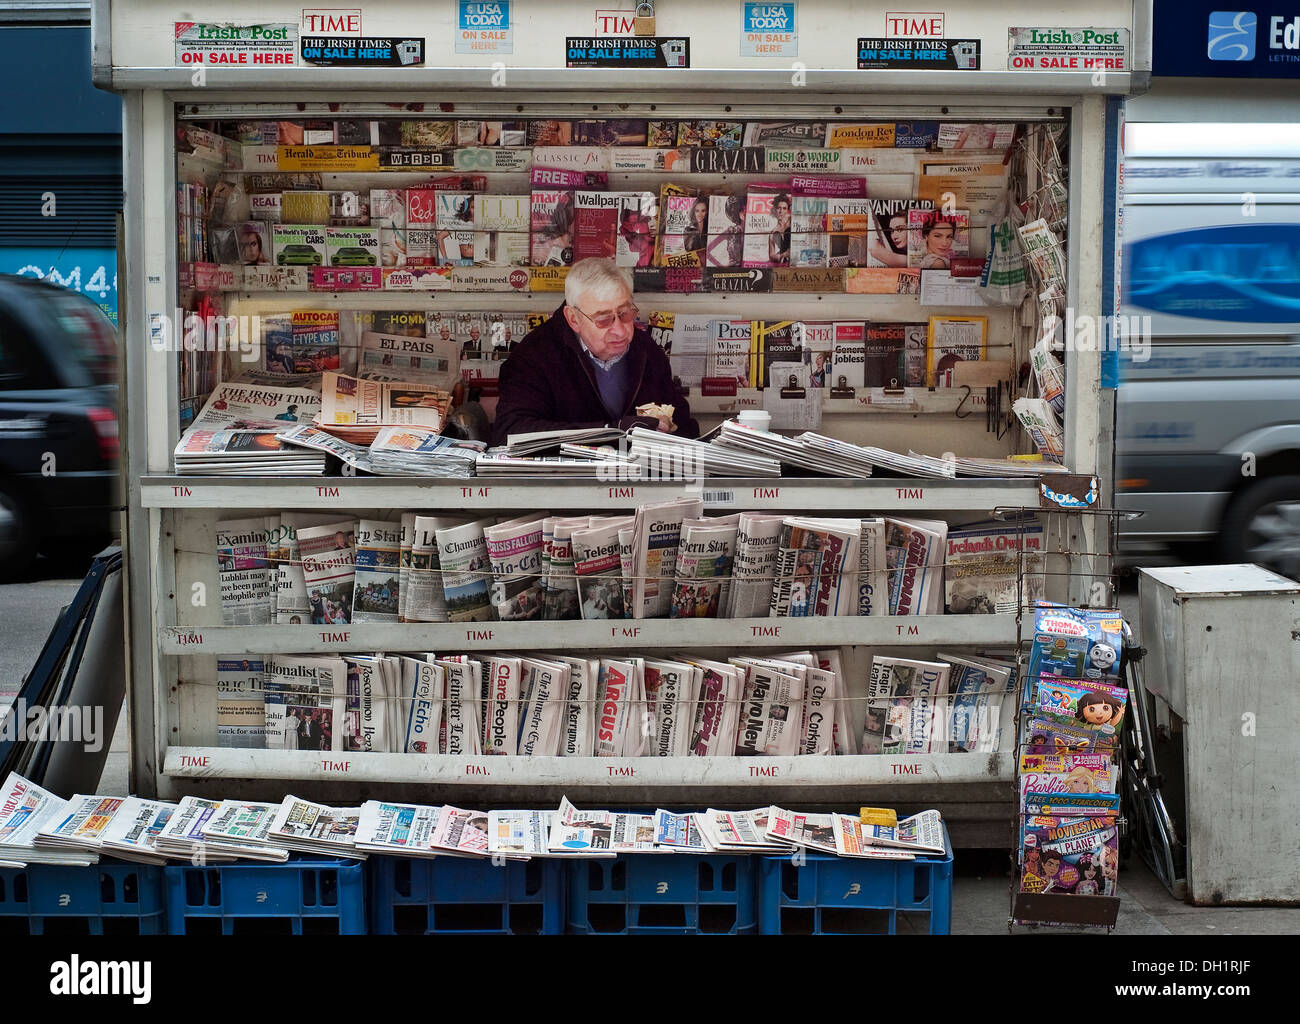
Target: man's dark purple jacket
{"points": [[548, 383]]}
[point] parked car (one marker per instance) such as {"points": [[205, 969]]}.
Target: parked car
{"points": [[58, 423], [1208, 427]]}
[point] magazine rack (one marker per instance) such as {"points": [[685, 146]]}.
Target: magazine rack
{"points": [[173, 641]]}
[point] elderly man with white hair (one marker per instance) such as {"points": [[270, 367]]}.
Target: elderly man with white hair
{"points": [[589, 365]]}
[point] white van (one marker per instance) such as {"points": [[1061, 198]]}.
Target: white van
{"points": [[1208, 431]]}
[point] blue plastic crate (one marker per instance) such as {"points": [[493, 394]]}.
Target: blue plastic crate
{"points": [[305, 895], [108, 898], [824, 895], [456, 895], [663, 894]]}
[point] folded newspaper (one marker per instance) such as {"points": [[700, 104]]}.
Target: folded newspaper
{"points": [[25, 809]]}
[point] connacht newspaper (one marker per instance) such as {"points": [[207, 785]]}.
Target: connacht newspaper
{"points": [[243, 568], [597, 564], [328, 556], [375, 591], [758, 542], [703, 573], [463, 557], [515, 552], [658, 532]]}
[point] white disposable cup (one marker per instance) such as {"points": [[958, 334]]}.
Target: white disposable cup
{"points": [[759, 419]]}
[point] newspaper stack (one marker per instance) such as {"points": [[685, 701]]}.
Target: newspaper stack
{"points": [[422, 451], [599, 833], [740, 832], [1024, 465], [182, 837], [921, 833], [82, 825], [667, 456], [790, 451], [496, 462], [863, 456], [851, 842], [242, 827], [403, 830], [306, 436], [299, 824], [814, 832], [134, 828], [26, 809], [544, 440], [244, 453], [525, 834]]}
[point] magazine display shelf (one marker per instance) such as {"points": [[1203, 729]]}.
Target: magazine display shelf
{"points": [[170, 517]]}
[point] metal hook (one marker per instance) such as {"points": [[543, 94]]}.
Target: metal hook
{"points": [[964, 398]]}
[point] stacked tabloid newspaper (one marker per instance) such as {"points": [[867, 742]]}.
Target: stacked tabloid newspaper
{"points": [[182, 837], [299, 824], [669, 457], [833, 457], [422, 451], [25, 811], [134, 828], [548, 440], [237, 432], [354, 409], [82, 826], [243, 827]]}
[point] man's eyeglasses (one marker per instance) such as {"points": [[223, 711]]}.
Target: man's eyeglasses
{"points": [[625, 314]]}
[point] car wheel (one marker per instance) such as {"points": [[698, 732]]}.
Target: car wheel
{"points": [[17, 543], [1262, 525]]}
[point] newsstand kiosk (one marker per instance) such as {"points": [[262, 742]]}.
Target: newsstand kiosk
{"points": [[974, 107]]}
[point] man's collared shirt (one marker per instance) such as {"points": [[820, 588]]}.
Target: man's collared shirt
{"points": [[604, 364]]}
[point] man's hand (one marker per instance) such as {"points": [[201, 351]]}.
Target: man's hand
{"points": [[666, 424]]}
